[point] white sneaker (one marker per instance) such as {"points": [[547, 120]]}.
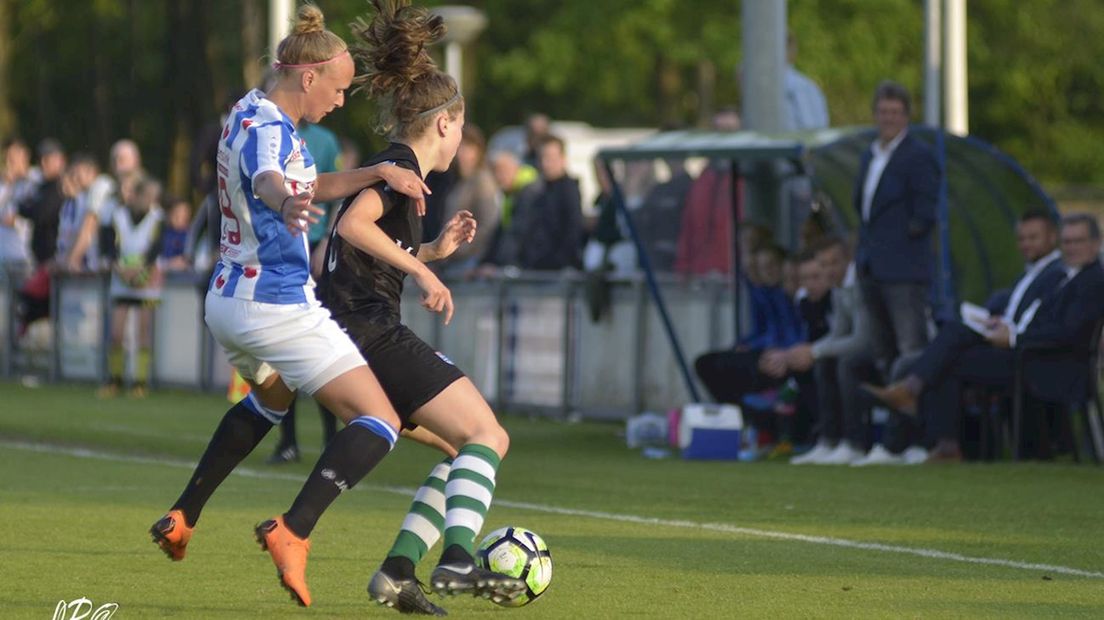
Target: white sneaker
{"points": [[878, 455], [819, 451], [915, 455], [844, 454]]}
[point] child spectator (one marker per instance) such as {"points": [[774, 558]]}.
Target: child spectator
{"points": [[175, 236]]}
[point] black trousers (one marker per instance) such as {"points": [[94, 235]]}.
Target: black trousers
{"points": [[939, 357], [829, 406], [979, 364], [730, 375]]}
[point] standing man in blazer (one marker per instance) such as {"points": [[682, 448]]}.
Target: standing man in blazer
{"points": [[895, 196]]}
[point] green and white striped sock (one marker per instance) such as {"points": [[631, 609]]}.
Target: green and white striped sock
{"points": [[423, 524], [468, 494]]}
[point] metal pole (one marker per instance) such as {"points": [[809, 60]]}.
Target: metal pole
{"points": [[958, 121], [454, 63], [9, 323], [737, 259], [463, 23], [933, 62], [764, 51], [55, 324], [279, 23], [568, 337], [500, 343], [105, 326], [151, 370], [653, 286], [764, 48], [640, 333]]}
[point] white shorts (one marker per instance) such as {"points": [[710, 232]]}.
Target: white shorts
{"points": [[299, 341]]}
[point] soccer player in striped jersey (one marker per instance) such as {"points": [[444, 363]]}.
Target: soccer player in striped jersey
{"points": [[261, 305], [374, 245]]}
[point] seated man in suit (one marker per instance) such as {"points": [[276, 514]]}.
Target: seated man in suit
{"points": [[1070, 301]]}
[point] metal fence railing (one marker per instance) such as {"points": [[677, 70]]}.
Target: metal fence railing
{"points": [[527, 341]]}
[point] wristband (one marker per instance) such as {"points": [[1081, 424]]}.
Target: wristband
{"points": [[284, 202]]}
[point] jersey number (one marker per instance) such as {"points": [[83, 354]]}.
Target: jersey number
{"points": [[231, 228]]}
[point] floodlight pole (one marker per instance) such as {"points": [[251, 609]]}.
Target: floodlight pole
{"points": [[764, 68], [958, 121], [279, 23], [764, 50], [463, 24], [933, 62]]}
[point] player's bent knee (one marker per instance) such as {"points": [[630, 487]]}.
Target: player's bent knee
{"points": [[496, 438]]}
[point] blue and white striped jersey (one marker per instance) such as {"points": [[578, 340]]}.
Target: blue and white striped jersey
{"points": [[261, 260]]}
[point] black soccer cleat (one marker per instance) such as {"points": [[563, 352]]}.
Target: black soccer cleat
{"points": [[407, 596], [471, 579]]}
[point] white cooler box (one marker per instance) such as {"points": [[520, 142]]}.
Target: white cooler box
{"points": [[710, 432]]}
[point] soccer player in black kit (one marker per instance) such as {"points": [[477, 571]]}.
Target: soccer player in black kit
{"points": [[374, 245]]}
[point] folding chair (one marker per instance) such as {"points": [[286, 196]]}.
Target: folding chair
{"points": [[1092, 411]]}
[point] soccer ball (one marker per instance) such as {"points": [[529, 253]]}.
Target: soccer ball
{"points": [[519, 553]]}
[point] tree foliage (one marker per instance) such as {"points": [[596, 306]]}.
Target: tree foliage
{"points": [[158, 70]]}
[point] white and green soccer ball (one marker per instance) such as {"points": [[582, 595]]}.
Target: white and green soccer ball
{"points": [[517, 552]]}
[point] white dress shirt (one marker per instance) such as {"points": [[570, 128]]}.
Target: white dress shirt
{"points": [[1033, 271], [878, 164], [1029, 315]]}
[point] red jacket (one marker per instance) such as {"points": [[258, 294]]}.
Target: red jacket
{"points": [[705, 237]]}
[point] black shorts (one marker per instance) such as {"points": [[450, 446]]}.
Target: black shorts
{"points": [[411, 372]]}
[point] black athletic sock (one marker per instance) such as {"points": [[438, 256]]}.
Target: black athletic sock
{"points": [[239, 432], [287, 430], [329, 425], [398, 568], [355, 450], [456, 554]]}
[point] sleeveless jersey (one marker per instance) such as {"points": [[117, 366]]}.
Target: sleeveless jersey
{"points": [[260, 260], [355, 283]]}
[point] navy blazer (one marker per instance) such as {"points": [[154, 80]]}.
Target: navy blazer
{"points": [[895, 244], [1061, 334], [1047, 280]]}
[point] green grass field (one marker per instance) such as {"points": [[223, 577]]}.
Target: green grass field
{"points": [[81, 480]]}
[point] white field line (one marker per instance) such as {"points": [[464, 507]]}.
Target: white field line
{"points": [[192, 437], [593, 514]]}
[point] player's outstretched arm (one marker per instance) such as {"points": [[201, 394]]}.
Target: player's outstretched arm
{"points": [[338, 185]]}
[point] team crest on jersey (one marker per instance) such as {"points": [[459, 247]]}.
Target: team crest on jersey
{"points": [[444, 358]]}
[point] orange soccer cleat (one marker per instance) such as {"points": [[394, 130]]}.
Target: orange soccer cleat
{"points": [[289, 554], [171, 533]]}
